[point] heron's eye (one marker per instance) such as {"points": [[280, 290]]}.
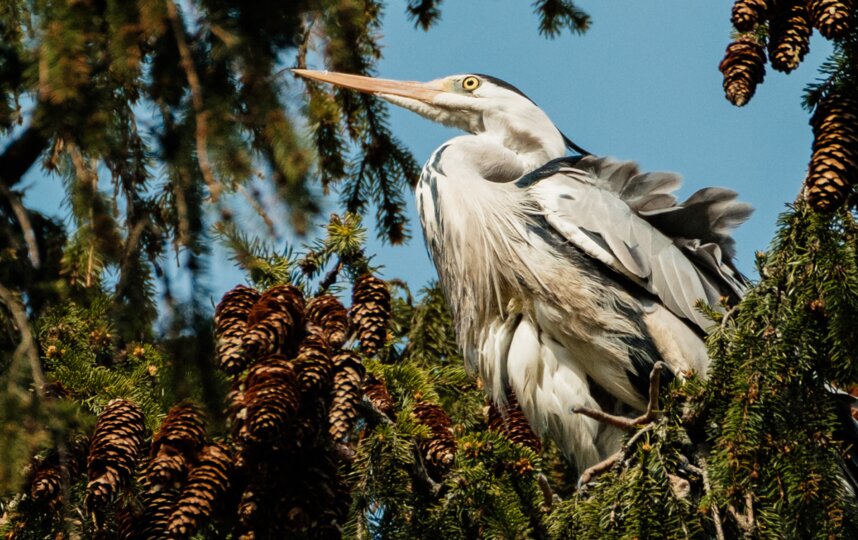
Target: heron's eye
{"points": [[470, 83]]}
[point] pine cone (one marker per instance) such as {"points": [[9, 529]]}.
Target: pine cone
{"points": [[272, 398], [158, 508], [439, 450], [275, 323], [348, 374], [834, 165], [175, 444], [313, 363], [375, 389], [370, 312], [326, 311], [312, 421], [125, 526], [513, 424], [748, 13], [789, 35], [207, 484], [56, 471], [230, 325], [113, 451], [832, 18], [744, 68]]}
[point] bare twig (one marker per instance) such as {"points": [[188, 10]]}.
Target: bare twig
{"points": [[422, 474], [377, 414], [745, 521], [256, 204], [27, 346], [707, 487], [549, 498], [201, 115], [331, 277], [622, 454], [631, 424], [599, 468]]}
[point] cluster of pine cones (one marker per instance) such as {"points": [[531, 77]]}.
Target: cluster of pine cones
{"points": [[294, 401], [296, 388], [833, 167]]}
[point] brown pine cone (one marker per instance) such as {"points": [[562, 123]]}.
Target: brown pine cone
{"points": [[744, 67], [370, 312], [230, 325], [175, 444], [313, 363], [126, 528], [749, 13], [56, 471], [832, 18], [47, 486], [272, 397], [834, 165], [513, 424], [207, 484], [375, 389], [275, 323], [789, 35], [326, 311], [348, 374], [439, 450], [158, 507], [113, 451]]}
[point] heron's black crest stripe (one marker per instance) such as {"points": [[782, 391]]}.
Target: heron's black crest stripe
{"points": [[503, 84], [572, 146]]}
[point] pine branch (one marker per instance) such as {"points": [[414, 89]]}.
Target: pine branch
{"points": [[27, 346], [20, 155], [23, 218], [557, 14], [201, 114]]}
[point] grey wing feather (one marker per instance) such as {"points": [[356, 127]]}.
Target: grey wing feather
{"points": [[682, 252]]}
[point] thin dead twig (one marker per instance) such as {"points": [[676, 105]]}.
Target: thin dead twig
{"points": [[707, 487], [549, 498], [745, 521], [604, 466]]}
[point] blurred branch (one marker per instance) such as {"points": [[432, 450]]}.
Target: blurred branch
{"points": [[24, 221], [20, 155], [27, 346], [201, 115]]}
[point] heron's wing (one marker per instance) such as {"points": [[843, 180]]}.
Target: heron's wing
{"points": [[631, 221]]}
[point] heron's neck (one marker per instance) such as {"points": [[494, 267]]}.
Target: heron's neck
{"points": [[534, 138]]}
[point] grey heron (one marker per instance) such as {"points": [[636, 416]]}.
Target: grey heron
{"points": [[569, 277]]}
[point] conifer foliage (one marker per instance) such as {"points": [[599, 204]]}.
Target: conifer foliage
{"points": [[282, 412]]}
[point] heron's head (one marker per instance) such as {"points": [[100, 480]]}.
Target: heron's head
{"points": [[471, 102]]}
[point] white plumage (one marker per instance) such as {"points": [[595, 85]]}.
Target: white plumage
{"points": [[568, 277]]}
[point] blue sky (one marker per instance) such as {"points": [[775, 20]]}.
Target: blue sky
{"points": [[643, 84]]}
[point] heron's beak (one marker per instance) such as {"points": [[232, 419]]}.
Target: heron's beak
{"points": [[425, 92]]}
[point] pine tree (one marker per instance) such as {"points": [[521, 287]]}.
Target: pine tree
{"points": [[282, 412]]}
